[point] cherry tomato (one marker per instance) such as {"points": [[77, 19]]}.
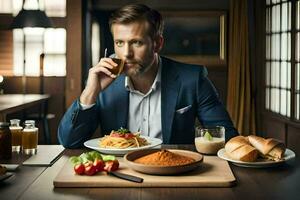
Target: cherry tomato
{"points": [[89, 169], [99, 165], [79, 169], [115, 134], [111, 165]]}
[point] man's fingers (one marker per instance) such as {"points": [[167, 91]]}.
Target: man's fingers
{"points": [[108, 61], [102, 69]]}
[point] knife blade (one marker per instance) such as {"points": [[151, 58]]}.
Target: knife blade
{"points": [[126, 177]]}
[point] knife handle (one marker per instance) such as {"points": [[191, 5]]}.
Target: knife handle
{"points": [[127, 177]]}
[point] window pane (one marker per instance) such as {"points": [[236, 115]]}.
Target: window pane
{"points": [[268, 47], [275, 74], [288, 104], [268, 2], [5, 6], [18, 52], [275, 18], [283, 103], [289, 46], [55, 50], [298, 107], [31, 5], [34, 48], [284, 17], [298, 77], [267, 98], [268, 24], [289, 75], [268, 74], [55, 8], [284, 46], [298, 15], [55, 40], [289, 16], [298, 46], [95, 43], [55, 65], [283, 74], [275, 100], [16, 6], [275, 48]]}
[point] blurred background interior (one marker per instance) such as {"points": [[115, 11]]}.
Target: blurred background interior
{"points": [[251, 49]]}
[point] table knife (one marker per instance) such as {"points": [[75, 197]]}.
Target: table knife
{"points": [[127, 177]]}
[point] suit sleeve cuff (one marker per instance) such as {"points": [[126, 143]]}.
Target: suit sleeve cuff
{"points": [[84, 106]]}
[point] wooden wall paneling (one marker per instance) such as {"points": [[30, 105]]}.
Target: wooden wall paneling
{"points": [[274, 128], [6, 52], [218, 75], [74, 51], [293, 139], [56, 87]]}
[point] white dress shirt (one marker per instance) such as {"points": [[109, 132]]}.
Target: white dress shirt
{"points": [[145, 109]]}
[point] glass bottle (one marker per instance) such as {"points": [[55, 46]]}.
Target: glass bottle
{"points": [[16, 135], [30, 138], [5, 141]]}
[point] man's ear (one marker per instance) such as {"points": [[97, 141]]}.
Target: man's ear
{"points": [[158, 43]]}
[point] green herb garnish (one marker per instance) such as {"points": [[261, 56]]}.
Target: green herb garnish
{"points": [[123, 130]]}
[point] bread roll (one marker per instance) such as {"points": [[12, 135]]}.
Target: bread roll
{"points": [[268, 148], [239, 148]]}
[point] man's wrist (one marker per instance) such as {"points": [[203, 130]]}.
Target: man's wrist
{"points": [[88, 97], [84, 106]]}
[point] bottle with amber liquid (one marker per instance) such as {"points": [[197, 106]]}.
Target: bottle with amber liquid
{"points": [[30, 138], [16, 135], [5, 141]]}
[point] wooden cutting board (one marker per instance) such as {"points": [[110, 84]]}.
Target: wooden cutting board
{"points": [[213, 172]]}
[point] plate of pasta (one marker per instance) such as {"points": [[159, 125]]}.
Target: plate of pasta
{"points": [[121, 142]]}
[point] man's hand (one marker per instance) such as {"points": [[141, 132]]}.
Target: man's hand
{"points": [[98, 79]]}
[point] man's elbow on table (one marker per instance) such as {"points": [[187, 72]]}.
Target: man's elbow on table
{"points": [[65, 139]]}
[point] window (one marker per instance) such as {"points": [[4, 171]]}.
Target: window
{"points": [[50, 41], [282, 58], [297, 61]]}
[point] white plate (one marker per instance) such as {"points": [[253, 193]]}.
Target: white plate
{"points": [[5, 176], [94, 144], [10, 167], [260, 163]]}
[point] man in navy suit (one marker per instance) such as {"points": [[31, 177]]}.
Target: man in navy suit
{"points": [[154, 95]]}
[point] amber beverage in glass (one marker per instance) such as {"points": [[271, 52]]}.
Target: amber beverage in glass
{"points": [[16, 135], [30, 138], [118, 69]]}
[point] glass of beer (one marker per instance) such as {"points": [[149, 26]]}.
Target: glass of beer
{"points": [[30, 138], [16, 135]]}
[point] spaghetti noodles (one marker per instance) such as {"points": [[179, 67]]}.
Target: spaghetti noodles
{"points": [[122, 139]]}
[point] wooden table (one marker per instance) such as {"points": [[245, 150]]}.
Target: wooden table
{"points": [[271, 183], [11, 103]]}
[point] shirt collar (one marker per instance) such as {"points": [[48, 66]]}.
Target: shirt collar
{"points": [[156, 82]]}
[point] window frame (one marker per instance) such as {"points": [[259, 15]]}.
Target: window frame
{"points": [[292, 118]]}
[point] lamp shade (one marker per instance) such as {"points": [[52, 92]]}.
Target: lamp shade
{"points": [[31, 18]]}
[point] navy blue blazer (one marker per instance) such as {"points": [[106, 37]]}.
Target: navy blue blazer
{"points": [[182, 85]]}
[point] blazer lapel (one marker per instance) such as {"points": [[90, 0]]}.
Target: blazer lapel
{"points": [[169, 92]]}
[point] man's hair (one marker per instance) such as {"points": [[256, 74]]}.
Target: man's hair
{"points": [[139, 12]]}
